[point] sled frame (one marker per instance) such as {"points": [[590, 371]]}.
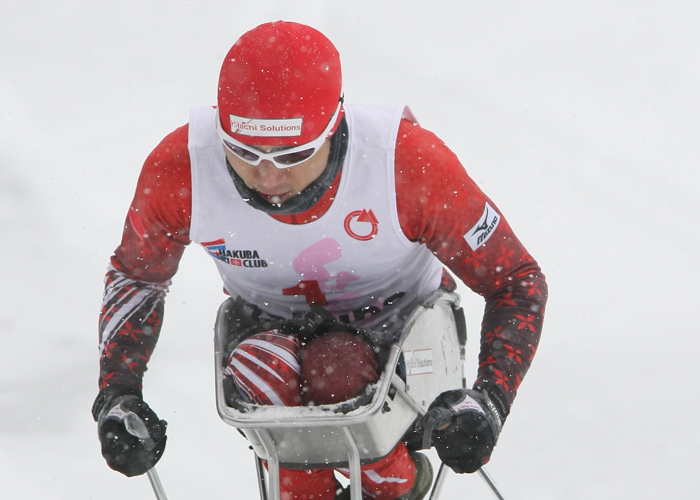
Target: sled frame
{"points": [[431, 346]]}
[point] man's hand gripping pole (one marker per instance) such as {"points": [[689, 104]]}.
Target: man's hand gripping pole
{"points": [[137, 427], [445, 424]]}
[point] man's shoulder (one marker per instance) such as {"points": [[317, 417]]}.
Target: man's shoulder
{"points": [[173, 145], [412, 137], [170, 160]]}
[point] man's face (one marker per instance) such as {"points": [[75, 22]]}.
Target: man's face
{"points": [[277, 185]]}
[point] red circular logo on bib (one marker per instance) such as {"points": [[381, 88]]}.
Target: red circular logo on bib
{"points": [[361, 224]]}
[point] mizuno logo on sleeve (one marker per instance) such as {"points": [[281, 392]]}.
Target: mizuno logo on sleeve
{"points": [[482, 230]]}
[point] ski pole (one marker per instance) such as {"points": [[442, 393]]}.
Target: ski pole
{"points": [[489, 480], [156, 484], [137, 427], [439, 482]]}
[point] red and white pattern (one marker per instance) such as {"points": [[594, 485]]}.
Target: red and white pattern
{"points": [[265, 367], [388, 478]]}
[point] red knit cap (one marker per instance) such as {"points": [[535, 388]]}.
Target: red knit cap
{"points": [[279, 85]]}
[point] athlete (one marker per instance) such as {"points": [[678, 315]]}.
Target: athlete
{"points": [[306, 202]]}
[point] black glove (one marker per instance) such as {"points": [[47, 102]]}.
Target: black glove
{"points": [[463, 425], [132, 436]]}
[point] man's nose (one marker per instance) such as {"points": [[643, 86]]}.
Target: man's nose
{"points": [[267, 174]]}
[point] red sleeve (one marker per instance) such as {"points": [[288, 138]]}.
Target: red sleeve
{"points": [[156, 232], [438, 205]]}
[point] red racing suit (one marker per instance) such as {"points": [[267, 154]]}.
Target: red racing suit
{"points": [[437, 203]]}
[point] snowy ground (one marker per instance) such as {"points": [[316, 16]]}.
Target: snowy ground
{"points": [[579, 119]]}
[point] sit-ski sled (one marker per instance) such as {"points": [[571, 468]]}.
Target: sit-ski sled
{"points": [[427, 359]]}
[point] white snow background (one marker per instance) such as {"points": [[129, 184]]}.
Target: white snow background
{"points": [[580, 119]]}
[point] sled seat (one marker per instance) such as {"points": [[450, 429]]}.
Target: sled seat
{"points": [[427, 359]]}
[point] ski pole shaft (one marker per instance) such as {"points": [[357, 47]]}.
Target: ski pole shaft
{"points": [[156, 484], [439, 482], [489, 480]]}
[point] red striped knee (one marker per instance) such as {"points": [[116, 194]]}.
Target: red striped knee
{"points": [[265, 368]]}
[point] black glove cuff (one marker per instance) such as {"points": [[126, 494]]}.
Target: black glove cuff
{"points": [[109, 394], [496, 396]]}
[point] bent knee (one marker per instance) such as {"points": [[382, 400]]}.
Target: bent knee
{"points": [[265, 368], [336, 367]]}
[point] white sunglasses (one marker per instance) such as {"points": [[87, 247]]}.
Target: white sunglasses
{"points": [[281, 159]]}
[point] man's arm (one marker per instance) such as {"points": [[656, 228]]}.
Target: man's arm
{"points": [[441, 206], [156, 232]]}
